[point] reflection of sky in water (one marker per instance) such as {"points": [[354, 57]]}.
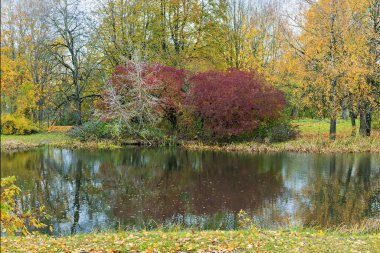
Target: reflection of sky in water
{"points": [[88, 219], [295, 179], [86, 224], [142, 188]]}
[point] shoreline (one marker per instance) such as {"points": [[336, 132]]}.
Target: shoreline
{"points": [[317, 146], [19, 146], [198, 241], [313, 146], [313, 138]]}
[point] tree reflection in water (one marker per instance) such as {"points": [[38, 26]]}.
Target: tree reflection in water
{"points": [[349, 194], [143, 188]]}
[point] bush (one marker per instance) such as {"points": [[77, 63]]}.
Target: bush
{"points": [[190, 127], [152, 92], [276, 131], [153, 135], [92, 131], [20, 125], [233, 102], [13, 220]]}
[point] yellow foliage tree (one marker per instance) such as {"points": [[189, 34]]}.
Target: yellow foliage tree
{"points": [[18, 91], [333, 50]]}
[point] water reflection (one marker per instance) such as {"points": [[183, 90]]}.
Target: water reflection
{"points": [[138, 188]]}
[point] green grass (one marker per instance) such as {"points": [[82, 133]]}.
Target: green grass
{"points": [[39, 138], [24, 142], [322, 127], [11, 143], [314, 137], [198, 241]]}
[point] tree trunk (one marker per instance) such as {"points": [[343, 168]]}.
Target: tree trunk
{"points": [[40, 112], [353, 123], [77, 98], [294, 112], [332, 128], [368, 123], [345, 109], [345, 114], [79, 111], [333, 111], [365, 121], [362, 127]]}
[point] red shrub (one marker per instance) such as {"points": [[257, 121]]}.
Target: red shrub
{"points": [[171, 94], [172, 81], [149, 90], [234, 101]]}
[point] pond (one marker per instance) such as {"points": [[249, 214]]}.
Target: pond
{"points": [[145, 188]]}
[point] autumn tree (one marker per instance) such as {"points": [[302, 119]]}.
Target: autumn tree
{"points": [[326, 45], [253, 34], [238, 14], [140, 94], [185, 33], [40, 62], [370, 10], [233, 102], [18, 90], [70, 48]]}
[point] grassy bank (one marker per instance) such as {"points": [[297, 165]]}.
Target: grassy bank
{"points": [[40, 138], [204, 241], [319, 128], [307, 145], [24, 142], [313, 138]]}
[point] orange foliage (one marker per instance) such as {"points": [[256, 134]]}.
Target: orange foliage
{"points": [[59, 129]]}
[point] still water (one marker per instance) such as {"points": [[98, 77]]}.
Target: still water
{"points": [[143, 188]]}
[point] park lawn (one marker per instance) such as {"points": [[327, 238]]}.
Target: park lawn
{"points": [[313, 138], [198, 241], [24, 142], [39, 138], [321, 128], [307, 127]]}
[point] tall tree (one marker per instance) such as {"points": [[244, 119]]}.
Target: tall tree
{"points": [[326, 46], [70, 48], [18, 91], [40, 62], [185, 33], [372, 31]]}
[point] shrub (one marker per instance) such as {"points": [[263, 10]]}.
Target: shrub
{"points": [[92, 130], [244, 222], [13, 220], [171, 94], [233, 102], [154, 135], [190, 127], [140, 94], [20, 125], [276, 131]]}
